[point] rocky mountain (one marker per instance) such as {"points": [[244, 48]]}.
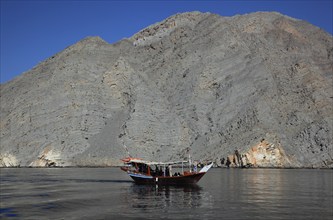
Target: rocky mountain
{"points": [[254, 89]]}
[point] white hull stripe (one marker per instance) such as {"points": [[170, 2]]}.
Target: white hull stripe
{"points": [[140, 176]]}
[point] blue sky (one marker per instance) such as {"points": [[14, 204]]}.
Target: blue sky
{"points": [[32, 31]]}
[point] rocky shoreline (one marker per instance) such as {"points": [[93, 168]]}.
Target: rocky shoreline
{"points": [[217, 167]]}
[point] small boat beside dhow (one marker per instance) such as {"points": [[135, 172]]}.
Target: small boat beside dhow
{"points": [[163, 173]]}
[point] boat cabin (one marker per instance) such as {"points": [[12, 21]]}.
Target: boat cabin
{"points": [[158, 169]]}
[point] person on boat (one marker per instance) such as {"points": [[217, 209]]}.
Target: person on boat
{"points": [[170, 170], [167, 173], [157, 171], [161, 171], [177, 174], [195, 166], [140, 168], [195, 169], [152, 171]]}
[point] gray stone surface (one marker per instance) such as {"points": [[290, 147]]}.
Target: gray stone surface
{"points": [[194, 81]]}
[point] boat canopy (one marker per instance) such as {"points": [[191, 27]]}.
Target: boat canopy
{"points": [[138, 160]]}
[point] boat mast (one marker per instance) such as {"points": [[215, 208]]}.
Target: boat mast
{"points": [[190, 163], [126, 149]]}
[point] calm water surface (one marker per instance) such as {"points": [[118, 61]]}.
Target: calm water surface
{"points": [[108, 193]]}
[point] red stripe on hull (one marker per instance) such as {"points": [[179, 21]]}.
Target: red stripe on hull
{"points": [[175, 180]]}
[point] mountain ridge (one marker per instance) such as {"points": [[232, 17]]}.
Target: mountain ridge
{"points": [[256, 83]]}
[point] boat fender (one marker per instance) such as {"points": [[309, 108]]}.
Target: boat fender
{"points": [[156, 179]]}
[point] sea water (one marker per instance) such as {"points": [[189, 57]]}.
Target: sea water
{"points": [[108, 193]]}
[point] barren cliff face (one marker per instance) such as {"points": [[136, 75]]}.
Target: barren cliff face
{"points": [[260, 84]]}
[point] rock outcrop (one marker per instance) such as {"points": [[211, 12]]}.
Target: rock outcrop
{"points": [[259, 83], [264, 154]]}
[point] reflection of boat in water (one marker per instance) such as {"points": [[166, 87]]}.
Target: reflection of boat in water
{"points": [[148, 189], [149, 197], [149, 172]]}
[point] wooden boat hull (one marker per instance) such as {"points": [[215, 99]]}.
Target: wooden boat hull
{"points": [[164, 180]]}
